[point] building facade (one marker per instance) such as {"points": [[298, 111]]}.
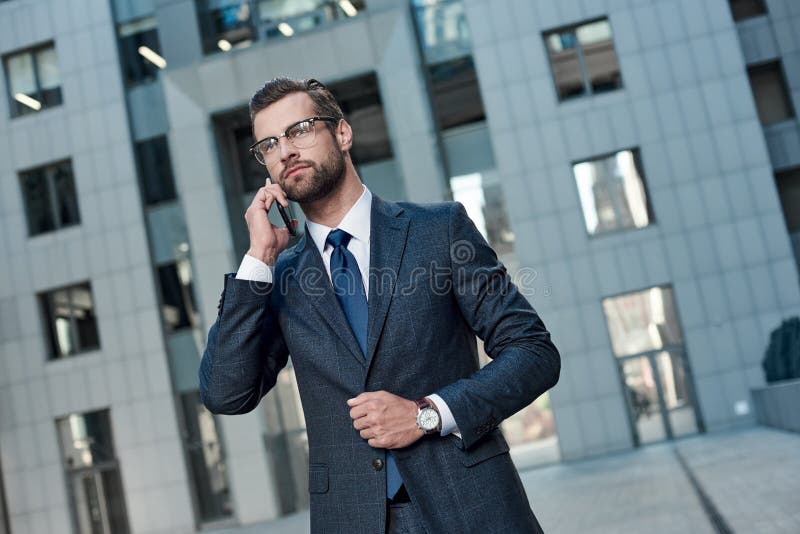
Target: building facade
{"points": [[634, 163]]}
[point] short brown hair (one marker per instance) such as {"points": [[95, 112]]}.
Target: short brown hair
{"points": [[275, 89]]}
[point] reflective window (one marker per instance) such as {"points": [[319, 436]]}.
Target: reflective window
{"points": [[583, 59], [642, 321], [360, 100], [770, 92], [70, 320], [456, 94], [789, 192], [140, 51], [252, 172], [745, 9], [442, 29], [177, 296], [155, 170], [92, 469], [206, 459], [49, 196], [648, 347], [285, 18], [485, 205], [612, 192], [226, 25], [33, 80]]}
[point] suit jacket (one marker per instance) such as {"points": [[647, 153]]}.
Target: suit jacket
{"points": [[435, 283]]}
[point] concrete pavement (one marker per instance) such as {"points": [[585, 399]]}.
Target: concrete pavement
{"points": [[751, 477]]}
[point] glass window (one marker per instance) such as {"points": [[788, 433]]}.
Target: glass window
{"points": [[612, 192], [745, 9], [789, 192], [33, 78], [442, 29], [583, 59], [177, 300], [155, 170], [284, 18], [642, 321], [140, 51], [92, 469], [770, 92], [360, 101], [70, 320], [253, 173], [225, 24], [456, 94], [207, 459], [49, 196]]}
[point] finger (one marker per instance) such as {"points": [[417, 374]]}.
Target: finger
{"points": [[376, 442], [361, 423], [360, 399], [279, 194], [358, 412], [367, 434]]}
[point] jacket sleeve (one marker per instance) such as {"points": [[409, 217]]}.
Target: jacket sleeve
{"points": [[245, 349], [525, 363]]}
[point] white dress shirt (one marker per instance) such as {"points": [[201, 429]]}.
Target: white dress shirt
{"points": [[356, 222]]}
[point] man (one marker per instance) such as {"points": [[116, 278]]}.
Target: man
{"points": [[379, 304]]}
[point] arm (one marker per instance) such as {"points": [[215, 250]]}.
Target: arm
{"points": [[245, 350], [525, 362]]}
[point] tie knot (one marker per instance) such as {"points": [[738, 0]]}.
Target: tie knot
{"points": [[338, 238]]}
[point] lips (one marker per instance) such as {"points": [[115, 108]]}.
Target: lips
{"points": [[294, 169]]}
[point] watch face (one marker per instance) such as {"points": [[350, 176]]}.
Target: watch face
{"points": [[428, 419]]}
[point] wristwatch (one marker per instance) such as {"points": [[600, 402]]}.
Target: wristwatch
{"points": [[428, 418]]}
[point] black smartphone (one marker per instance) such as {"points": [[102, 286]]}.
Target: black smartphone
{"points": [[287, 220]]}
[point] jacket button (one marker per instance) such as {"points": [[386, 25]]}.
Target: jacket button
{"points": [[377, 464]]}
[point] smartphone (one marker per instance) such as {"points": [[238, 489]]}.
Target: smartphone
{"points": [[287, 220]]}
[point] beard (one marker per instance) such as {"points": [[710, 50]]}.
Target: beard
{"points": [[324, 179]]}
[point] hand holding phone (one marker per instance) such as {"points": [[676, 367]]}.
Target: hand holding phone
{"points": [[268, 240], [287, 219]]}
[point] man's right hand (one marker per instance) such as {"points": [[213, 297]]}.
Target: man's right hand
{"points": [[266, 239]]}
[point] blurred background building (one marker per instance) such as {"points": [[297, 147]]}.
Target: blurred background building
{"points": [[635, 163]]}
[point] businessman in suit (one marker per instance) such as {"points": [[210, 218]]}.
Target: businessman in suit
{"points": [[379, 304]]}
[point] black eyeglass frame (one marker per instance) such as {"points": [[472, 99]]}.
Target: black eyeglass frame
{"points": [[312, 120]]}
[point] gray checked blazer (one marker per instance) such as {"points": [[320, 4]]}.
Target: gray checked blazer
{"points": [[435, 283]]}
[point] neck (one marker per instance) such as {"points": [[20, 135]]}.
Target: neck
{"points": [[330, 211]]}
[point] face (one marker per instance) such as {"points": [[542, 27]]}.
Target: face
{"points": [[306, 174]]}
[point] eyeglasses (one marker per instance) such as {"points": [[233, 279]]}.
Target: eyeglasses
{"points": [[301, 134]]}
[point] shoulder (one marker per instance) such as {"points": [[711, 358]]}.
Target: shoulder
{"points": [[441, 211]]}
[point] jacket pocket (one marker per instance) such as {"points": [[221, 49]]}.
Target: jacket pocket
{"points": [[493, 444], [317, 478]]}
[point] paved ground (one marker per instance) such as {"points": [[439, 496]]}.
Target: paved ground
{"points": [[751, 477]]}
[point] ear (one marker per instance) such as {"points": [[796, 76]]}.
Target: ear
{"points": [[344, 135]]}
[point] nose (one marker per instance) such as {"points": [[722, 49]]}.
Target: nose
{"points": [[287, 149]]}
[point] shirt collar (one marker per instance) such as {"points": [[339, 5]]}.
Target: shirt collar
{"points": [[355, 222]]}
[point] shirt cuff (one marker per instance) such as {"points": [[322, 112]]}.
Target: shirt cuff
{"points": [[254, 269], [449, 425]]}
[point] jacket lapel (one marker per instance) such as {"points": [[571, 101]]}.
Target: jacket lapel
{"points": [[388, 233], [313, 281]]}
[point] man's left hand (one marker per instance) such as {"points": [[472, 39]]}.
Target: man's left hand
{"points": [[386, 421]]}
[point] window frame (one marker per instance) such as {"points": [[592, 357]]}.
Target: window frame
{"points": [[639, 163], [765, 66], [587, 84], [11, 101], [58, 224], [48, 318]]}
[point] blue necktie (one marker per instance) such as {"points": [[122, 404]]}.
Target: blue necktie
{"points": [[349, 289]]}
